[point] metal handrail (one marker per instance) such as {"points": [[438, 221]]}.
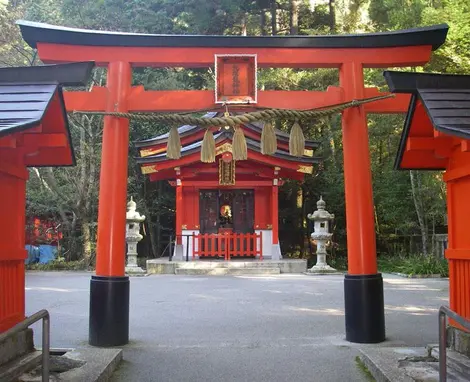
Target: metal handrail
{"points": [[443, 312], [25, 324]]}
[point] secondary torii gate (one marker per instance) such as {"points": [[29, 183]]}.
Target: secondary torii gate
{"points": [[120, 52]]}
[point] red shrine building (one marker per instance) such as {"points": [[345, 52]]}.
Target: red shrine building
{"points": [[228, 208]]}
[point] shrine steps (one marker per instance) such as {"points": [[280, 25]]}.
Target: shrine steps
{"points": [[228, 271], [220, 267]]}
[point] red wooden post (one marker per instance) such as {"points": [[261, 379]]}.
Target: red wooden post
{"points": [[13, 177], [109, 290], [194, 246], [179, 211], [261, 245], [364, 306], [274, 211]]}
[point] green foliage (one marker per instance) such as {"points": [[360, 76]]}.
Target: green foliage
{"points": [[71, 194], [413, 265], [59, 265], [364, 370]]}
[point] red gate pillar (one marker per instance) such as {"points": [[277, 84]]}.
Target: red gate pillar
{"points": [[363, 287], [13, 176], [109, 289], [276, 250], [179, 249]]}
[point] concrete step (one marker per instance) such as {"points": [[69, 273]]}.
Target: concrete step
{"points": [[411, 365], [12, 370], [455, 360], [79, 365], [227, 271], [204, 264]]}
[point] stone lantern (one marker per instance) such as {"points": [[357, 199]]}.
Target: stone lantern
{"points": [[321, 236], [133, 236]]}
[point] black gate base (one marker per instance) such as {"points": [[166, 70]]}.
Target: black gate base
{"points": [[364, 308], [109, 311]]}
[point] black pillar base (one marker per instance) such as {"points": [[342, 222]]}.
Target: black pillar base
{"points": [[364, 308], [109, 311]]}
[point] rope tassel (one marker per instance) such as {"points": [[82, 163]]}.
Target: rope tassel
{"points": [[173, 146], [268, 139], [239, 149], [296, 141], [208, 148]]}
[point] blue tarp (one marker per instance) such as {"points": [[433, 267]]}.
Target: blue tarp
{"points": [[42, 254], [33, 254]]}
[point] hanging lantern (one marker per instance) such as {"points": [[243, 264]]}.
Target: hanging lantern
{"points": [[227, 157], [268, 139], [296, 141], [173, 146]]}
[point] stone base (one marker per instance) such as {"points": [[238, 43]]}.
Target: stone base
{"points": [[322, 269], [16, 346], [132, 271], [276, 252], [163, 266], [458, 340], [178, 254]]}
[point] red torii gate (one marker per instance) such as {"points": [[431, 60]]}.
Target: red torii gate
{"points": [[119, 52]]}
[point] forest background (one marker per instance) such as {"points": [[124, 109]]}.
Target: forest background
{"points": [[409, 205]]}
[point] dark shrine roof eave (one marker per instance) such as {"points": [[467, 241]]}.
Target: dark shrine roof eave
{"points": [[446, 101], [186, 130], [410, 82], [68, 74], [34, 33], [195, 147]]}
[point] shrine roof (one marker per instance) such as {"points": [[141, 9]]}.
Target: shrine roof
{"points": [[446, 101], [23, 105], [73, 74], [220, 137], [34, 33], [187, 130], [36, 101]]}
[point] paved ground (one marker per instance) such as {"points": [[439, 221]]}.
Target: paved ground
{"points": [[277, 328]]}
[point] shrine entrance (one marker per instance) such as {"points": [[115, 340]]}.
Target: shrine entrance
{"points": [[235, 84], [226, 211], [227, 225]]}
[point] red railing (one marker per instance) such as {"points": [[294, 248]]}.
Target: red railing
{"points": [[228, 245]]}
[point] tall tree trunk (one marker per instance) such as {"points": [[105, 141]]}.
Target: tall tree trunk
{"points": [[244, 24], [331, 6], [86, 234], [419, 211], [273, 17], [263, 20], [294, 17]]}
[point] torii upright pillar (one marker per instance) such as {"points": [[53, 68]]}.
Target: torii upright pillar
{"points": [[109, 289], [363, 287]]}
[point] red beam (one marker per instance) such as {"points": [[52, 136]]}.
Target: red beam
{"points": [[45, 140], [189, 100], [398, 104], [193, 57], [141, 100], [8, 142], [94, 100], [420, 143]]}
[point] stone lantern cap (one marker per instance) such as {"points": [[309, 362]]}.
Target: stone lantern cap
{"points": [[321, 214], [132, 215]]}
